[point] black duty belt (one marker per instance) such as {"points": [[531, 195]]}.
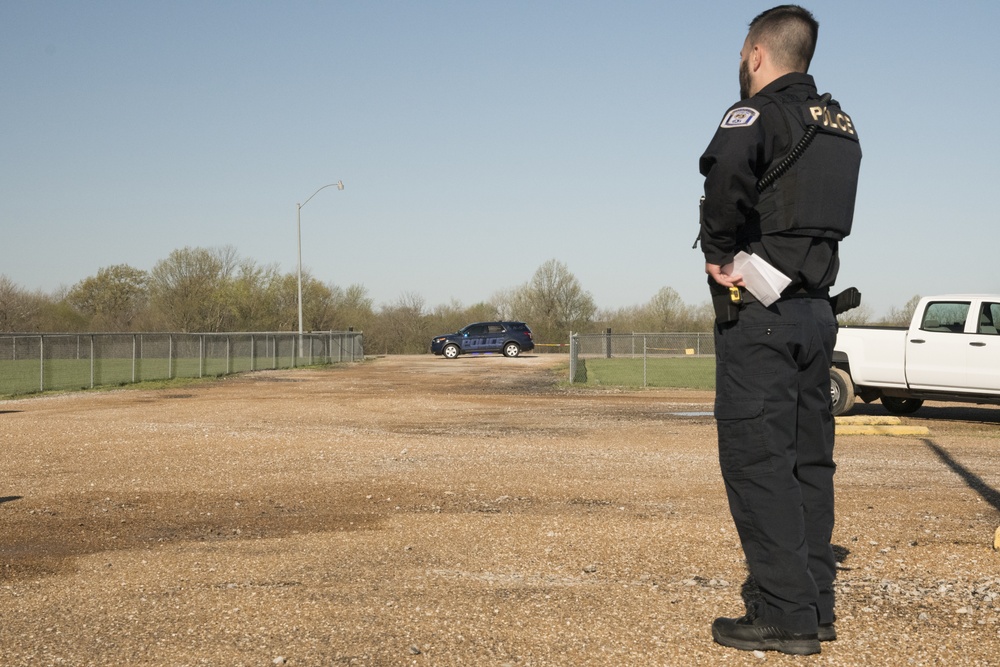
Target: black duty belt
{"points": [[727, 305], [747, 297]]}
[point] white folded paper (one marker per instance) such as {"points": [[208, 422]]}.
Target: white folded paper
{"points": [[762, 280]]}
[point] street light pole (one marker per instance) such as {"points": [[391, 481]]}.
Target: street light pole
{"points": [[298, 219]]}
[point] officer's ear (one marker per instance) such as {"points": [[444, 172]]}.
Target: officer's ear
{"points": [[756, 59]]}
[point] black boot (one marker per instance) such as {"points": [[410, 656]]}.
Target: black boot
{"points": [[755, 635]]}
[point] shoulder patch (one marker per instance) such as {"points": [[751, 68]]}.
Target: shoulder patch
{"points": [[741, 117]]}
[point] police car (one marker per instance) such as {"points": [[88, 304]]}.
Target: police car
{"points": [[510, 338]]}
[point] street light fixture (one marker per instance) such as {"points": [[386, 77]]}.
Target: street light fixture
{"points": [[298, 214]]}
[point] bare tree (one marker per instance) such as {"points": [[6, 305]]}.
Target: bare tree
{"points": [[901, 317], [401, 327], [502, 303], [665, 312], [626, 319], [13, 312], [352, 308], [188, 288], [553, 302], [447, 318], [454, 316], [113, 299], [251, 298], [700, 317], [21, 310], [666, 308], [318, 303], [855, 316]]}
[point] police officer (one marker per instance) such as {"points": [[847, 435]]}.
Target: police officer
{"points": [[780, 182]]}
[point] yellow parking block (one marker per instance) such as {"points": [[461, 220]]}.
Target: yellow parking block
{"points": [[848, 429], [864, 419], [864, 425]]}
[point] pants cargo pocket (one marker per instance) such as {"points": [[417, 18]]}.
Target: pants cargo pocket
{"points": [[743, 450]]}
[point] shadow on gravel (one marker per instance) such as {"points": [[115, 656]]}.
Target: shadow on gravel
{"points": [[974, 481], [951, 412], [7, 499]]}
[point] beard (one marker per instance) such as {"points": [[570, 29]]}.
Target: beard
{"points": [[744, 80]]}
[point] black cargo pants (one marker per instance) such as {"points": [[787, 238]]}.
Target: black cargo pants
{"points": [[775, 427]]}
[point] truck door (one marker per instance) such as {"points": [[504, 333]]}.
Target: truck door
{"points": [[936, 353], [983, 351]]}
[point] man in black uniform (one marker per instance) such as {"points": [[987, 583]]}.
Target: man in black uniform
{"points": [[780, 182]]}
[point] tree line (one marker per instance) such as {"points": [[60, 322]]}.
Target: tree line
{"points": [[215, 290]]}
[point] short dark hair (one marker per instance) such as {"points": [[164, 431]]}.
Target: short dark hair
{"points": [[790, 32]]}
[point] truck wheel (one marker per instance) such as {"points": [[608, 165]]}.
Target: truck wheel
{"points": [[841, 391], [451, 351], [901, 406], [511, 350]]}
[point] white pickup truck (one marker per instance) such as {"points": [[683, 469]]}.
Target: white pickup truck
{"points": [[950, 352]]}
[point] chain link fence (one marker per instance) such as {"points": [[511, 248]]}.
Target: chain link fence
{"points": [[642, 360], [44, 362]]}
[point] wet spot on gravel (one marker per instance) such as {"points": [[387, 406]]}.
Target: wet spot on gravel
{"points": [[45, 540]]}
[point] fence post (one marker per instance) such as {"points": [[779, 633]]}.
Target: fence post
{"points": [[92, 361], [607, 343], [645, 358], [41, 363], [572, 358]]}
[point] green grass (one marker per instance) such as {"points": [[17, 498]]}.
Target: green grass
{"points": [[23, 376], [679, 372]]}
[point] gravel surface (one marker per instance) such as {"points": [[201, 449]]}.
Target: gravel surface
{"points": [[420, 511]]}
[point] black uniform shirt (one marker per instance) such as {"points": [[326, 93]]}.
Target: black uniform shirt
{"points": [[753, 137]]}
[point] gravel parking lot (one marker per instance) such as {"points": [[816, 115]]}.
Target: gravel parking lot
{"points": [[421, 511]]}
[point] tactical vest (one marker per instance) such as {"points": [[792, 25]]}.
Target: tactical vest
{"points": [[815, 196]]}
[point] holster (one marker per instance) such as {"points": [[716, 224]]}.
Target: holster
{"points": [[849, 298], [726, 310]]}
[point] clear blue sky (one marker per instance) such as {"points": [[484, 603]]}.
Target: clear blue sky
{"points": [[476, 140]]}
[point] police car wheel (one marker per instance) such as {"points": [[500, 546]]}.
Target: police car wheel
{"points": [[450, 351], [511, 350], [841, 391]]}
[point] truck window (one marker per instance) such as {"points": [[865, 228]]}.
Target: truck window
{"points": [[946, 316], [988, 319]]}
